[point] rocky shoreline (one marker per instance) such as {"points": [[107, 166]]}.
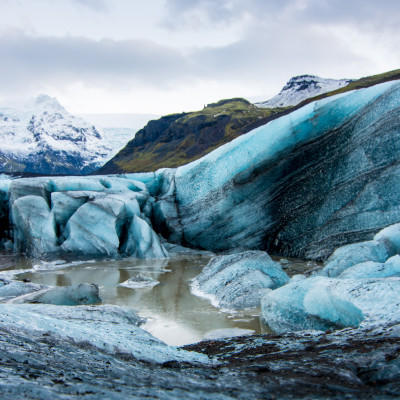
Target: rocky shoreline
{"points": [[351, 364]]}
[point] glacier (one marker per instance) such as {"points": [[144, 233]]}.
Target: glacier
{"points": [[301, 186], [304, 185]]}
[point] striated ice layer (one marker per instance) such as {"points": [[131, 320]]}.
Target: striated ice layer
{"points": [[237, 281], [301, 185]]}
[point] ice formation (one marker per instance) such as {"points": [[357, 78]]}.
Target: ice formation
{"points": [[81, 294], [108, 328], [83, 217], [374, 258], [301, 185], [11, 289], [140, 281], [323, 303], [237, 281], [359, 284]]}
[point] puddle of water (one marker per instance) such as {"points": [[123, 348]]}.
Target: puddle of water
{"points": [[173, 313]]}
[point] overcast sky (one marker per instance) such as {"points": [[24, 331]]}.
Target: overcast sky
{"points": [[164, 56]]}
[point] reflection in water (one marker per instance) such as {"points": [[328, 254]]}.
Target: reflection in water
{"points": [[173, 313]]}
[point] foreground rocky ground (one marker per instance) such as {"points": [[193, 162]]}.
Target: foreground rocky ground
{"points": [[351, 363]]}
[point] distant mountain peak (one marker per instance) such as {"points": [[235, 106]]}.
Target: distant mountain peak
{"points": [[43, 101], [41, 136], [302, 87]]}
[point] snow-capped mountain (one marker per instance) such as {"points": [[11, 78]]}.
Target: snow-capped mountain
{"points": [[42, 137], [303, 87]]}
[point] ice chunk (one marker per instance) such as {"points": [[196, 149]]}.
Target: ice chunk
{"points": [[65, 204], [30, 187], [34, 227], [391, 233], [323, 303], [297, 277], [238, 280], [140, 281], [371, 269], [84, 293], [320, 302], [11, 289], [283, 309], [356, 253], [91, 231], [308, 304]]}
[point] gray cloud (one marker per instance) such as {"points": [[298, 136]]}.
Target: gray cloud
{"points": [[267, 56], [366, 14], [29, 61], [284, 38], [97, 5]]}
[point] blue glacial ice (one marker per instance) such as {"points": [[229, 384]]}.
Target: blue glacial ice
{"points": [[140, 281], [83, 217], [391, 234], [34, 227], [371, 269], [356, 253], [11, 289], [322, 303], [81, 294], [109, 328], [237, 281], [300, 185], [371, 259]]}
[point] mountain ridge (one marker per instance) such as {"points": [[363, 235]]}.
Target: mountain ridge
{"points": [[41, 136], [302, 87]]}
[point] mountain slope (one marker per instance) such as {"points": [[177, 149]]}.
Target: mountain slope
{"points": [[175, 139], [178, 139], [42, 137], [300, 88]]}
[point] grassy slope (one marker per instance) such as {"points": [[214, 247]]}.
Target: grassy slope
{"points": [[177, 139]]}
